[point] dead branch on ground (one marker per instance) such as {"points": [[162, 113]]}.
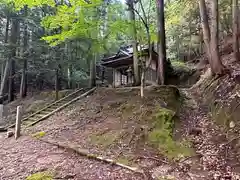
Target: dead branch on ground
{"points": [[85, 153]]}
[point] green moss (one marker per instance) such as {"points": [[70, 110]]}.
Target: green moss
{"points": [[104, 140], [163, 118], [41, 176], [39, 134], [161, 136]]}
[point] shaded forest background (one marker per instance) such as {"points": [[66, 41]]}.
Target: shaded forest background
{"points": [[59, 44]]}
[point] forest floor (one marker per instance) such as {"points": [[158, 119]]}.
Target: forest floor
{"points": [[113, 124]]}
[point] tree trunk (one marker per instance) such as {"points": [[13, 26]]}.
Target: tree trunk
{"points": [[4, 76], [134, 44], [4, 82], [92, 82], [2, 70], [217, 66], [205, 28], [161, 42], [56, 84], [23, 86], [60, 75], [13, 41], [235, 10], [11, 85], [190, 42], [70, 76]]}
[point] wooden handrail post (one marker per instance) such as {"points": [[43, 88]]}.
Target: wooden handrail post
{"points": [[18, 122]]}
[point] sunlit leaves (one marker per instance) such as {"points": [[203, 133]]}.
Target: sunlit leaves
{"points": [[32, 3]]}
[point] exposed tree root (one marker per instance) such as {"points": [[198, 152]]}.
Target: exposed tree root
{"points": [[85, 153]]}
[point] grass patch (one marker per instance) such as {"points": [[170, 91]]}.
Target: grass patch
{"points": [[161, 136], [41, 176], [106, 139]]}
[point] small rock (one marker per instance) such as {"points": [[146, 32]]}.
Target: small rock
{"points": [[9, 134], [231, 124]]}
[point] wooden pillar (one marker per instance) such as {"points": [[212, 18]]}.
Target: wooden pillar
{"points": [[121, 83], [114, 77], [18, 122]]}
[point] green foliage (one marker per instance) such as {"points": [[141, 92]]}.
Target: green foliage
{"points": [[41, 176]]}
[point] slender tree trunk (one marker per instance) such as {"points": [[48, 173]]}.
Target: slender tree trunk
{"points": [[70, 76], [13, 41], [92, 82], [201, 41], [205, 28], [134, 44], [2, 70], [57, 84], [161, 42], [60, 75], [4, 78], [23, 86], [11, 86], [235, 10], [190, 42], [4, 82], [217, 66]]}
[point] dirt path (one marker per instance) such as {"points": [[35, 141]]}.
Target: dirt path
{"points": [[26, 156]]}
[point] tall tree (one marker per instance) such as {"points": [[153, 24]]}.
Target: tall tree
{"points": [[93, 71], [136, 71], [211, 38], [6, 69], [235, 11], [23, 86], [13, 41], [161, 42], [205, 28], [217, 66]]}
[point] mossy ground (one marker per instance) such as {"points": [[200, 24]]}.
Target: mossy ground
{"points": [[161, 136], [105, 139], [144, 122]]}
